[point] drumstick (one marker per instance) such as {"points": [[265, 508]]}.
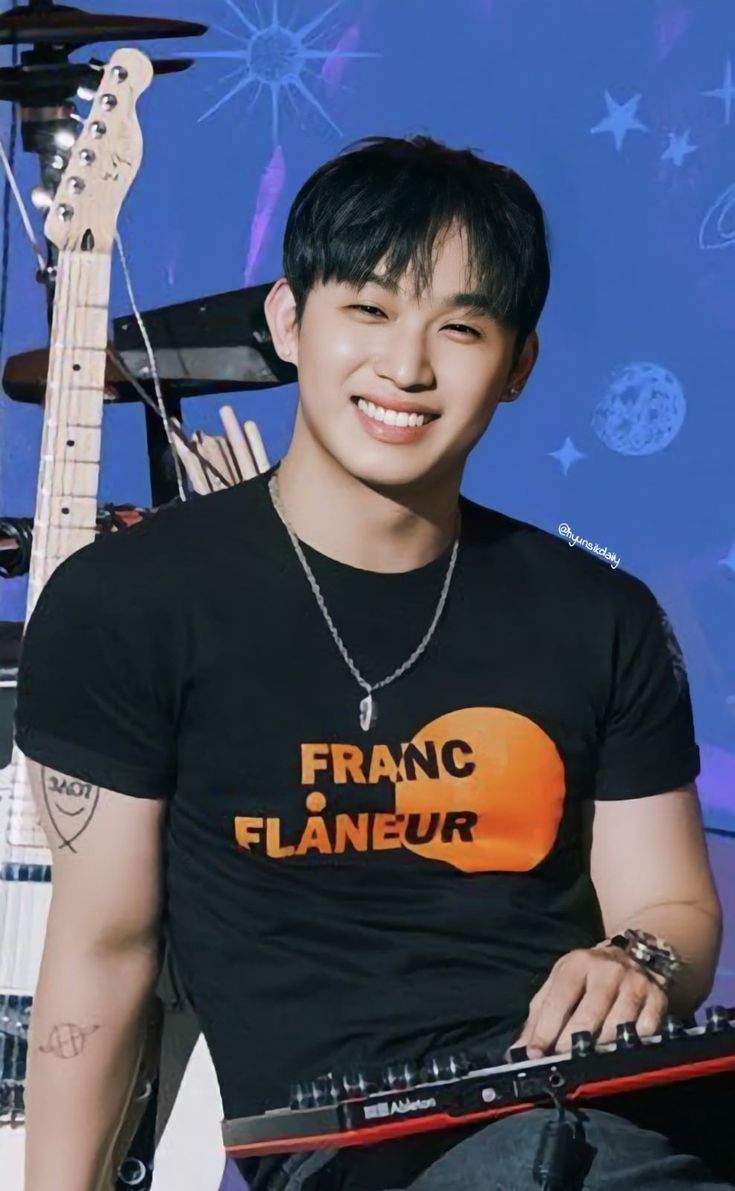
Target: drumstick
{"points": [[216, 467], [257, 446], [192, 466], [229, 465], [238, 443]]}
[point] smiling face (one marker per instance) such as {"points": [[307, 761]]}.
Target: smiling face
{"points": [[397, 389]]}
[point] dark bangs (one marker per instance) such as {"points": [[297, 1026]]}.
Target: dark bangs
{"points": [[387, 200]]}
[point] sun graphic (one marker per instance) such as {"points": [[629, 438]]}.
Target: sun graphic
{"points": [[275, 56]]}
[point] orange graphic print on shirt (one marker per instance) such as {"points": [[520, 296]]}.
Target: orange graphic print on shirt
{"points": [[480, 788], [513, 782]]}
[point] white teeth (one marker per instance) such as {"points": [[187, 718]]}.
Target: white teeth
{"points": [[390, 416]]}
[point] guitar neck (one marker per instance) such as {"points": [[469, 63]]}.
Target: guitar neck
{"points": [[68, 475]]}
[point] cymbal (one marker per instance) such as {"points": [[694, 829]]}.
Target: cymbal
{"points": [[65, 25], [52, 82]]}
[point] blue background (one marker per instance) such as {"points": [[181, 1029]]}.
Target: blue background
{"points": [[626, 429]]}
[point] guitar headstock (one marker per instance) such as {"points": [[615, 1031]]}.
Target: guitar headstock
{"points": [[103, 161]]}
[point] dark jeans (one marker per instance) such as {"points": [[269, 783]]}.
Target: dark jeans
{"points": [[617, 1155]]}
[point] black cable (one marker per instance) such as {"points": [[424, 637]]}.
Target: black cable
{"points": [[16, 562], [7, 196], [557, 1155]]}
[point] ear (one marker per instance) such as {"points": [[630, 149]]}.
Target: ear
{"points": [[280, 314], [522, 368]]}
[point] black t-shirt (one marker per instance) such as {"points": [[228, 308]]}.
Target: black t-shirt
{"points": [[336, 898]]}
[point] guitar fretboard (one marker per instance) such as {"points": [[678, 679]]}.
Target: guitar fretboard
{"points": [[68, 474]]}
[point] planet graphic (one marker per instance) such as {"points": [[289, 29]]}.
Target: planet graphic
{"points": [[718, 226], [642, 411]]}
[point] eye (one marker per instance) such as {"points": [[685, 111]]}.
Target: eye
{"points": [[370, 309], [466, 330]]}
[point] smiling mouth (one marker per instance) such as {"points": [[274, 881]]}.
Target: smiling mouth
{"points": [[392, 417]]}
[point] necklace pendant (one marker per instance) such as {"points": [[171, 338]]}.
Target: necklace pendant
{"points": [[368, 712]]}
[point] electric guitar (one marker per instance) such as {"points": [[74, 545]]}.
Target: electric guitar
{"points": [[81, 223]]}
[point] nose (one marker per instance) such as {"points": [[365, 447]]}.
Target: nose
{"points": [[404, 361]]}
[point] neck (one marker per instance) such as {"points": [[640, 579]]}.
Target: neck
{"points": [[355, 523], [65, 516]]}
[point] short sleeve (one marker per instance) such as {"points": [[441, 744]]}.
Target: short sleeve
{"points": [[94, 697], [647, 744]]}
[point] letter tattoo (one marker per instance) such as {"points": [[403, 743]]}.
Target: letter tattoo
{"points": [[70, 804]]}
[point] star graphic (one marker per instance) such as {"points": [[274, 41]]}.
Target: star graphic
{"points": [[678, 147], [276, 57], [726, 92], [620, 118], [567, 455], [727, 564]]}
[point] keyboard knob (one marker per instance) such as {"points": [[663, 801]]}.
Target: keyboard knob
{"points": [[354, 1083], [716, 1018], [583, 1043], [324, 1090], [300, 1096], [398, 1076], [455, 1066], [480, 1059], [673, 1027], [626, 1036], [517, 1054], [446, 1067]]}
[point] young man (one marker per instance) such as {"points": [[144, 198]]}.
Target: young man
{"points": [[389, 765]]}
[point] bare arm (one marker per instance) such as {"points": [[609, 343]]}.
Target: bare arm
{"points": [[648, 862], [99, 967], [649, 866]]}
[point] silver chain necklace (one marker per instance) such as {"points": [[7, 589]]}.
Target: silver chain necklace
{"points": [[368, 705]]}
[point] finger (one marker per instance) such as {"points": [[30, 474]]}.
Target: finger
{"points": [[626, 1008], [590, 1014], [603, 988], [653, 1013], [527, 1030], [563, 996]]}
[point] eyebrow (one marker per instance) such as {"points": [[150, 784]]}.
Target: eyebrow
{"points": [[476, 302]]}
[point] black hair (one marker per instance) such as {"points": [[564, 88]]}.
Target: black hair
{"points": [[387, 199]]}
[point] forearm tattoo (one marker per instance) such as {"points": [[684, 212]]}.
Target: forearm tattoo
{"points": [[70, 804], [67, 1040]]}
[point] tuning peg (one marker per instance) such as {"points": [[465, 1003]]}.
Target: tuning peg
{"points": [[583, 1043], [716, 1019], [626, 1036], [41, 198], [64, 139]]}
